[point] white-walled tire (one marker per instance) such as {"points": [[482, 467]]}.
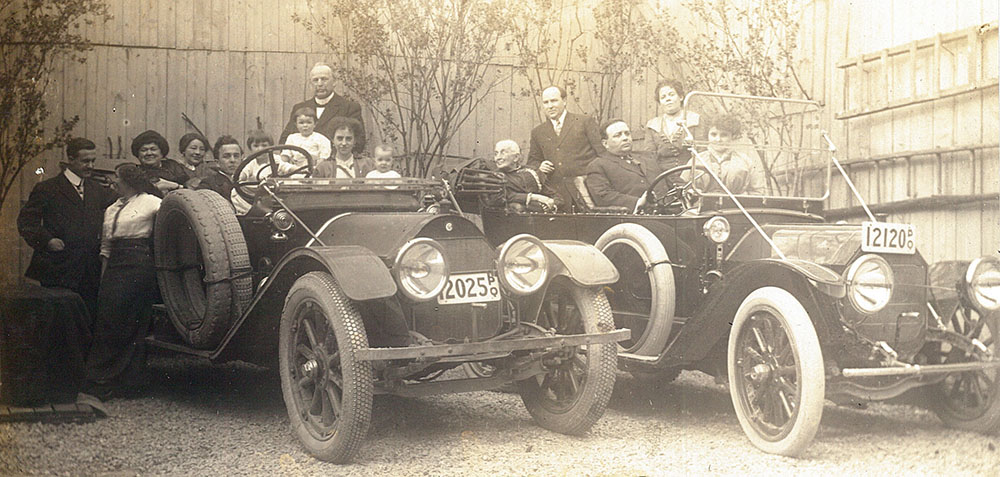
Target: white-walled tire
{"points": [[776, 373]]}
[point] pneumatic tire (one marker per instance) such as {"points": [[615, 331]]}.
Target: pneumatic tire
{"points": [[202, 265], [327, 390], [574, 392]]}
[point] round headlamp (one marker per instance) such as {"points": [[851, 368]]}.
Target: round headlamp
{"points": [[717, 229], [282, 220], [869, 283], [420, 269], [523, 265], [982, 281]]}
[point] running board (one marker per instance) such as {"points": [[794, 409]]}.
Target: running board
{"points": [[642, 358], [917, 369], [472, 350]]}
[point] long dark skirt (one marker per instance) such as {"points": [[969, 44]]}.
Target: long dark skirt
{"points": [[124, 318]]}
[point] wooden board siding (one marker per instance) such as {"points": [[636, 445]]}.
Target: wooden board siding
{"points": [[226, 62]]}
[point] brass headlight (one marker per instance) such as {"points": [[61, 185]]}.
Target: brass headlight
{"points": [[869, 283], [982, 281], [523, 265], [420, 269], [717, 229]]}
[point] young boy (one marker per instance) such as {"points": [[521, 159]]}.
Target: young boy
{"points": [[383, 164], [257, 140], [315, 143]]}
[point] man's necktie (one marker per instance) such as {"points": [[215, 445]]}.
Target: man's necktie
{"points": [[79, 189]]}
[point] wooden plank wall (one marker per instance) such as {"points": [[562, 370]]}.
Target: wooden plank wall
{"points": [[226, 62]]}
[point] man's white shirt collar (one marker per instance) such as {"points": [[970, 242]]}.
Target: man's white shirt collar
{"points": [[559, 122], [322, 102], [73, 178]]}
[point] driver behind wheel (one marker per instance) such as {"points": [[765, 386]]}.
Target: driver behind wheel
{"points": [[620, 176], [739, 172]]}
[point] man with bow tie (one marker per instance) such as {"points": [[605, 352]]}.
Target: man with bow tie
{"points": [[620, 176], [563, 145], [62, 223]]}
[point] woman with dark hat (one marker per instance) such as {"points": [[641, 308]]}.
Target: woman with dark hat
{"points": [[117, 360], [151, 149]]}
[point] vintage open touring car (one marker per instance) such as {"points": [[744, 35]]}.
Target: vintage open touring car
{"points": [[759, 291], [355, 287]]}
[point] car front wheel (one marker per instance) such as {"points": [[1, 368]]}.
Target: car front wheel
{"points": [[576, 387], [327, 390], [776, 377]]}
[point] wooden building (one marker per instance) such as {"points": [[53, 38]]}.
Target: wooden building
{"points": [[910, 89]]}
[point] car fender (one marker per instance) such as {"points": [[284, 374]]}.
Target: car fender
{"points": [[582, 263], [357, 270], [820, 277]]}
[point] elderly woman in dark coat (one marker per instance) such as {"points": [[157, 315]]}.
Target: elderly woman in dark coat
{"points": [[117, 360], [151, 149]]}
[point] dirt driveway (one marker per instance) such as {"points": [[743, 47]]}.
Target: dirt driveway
{"points": [[200, 419]]}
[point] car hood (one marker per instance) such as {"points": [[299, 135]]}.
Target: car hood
{"points": [[827, 244]]}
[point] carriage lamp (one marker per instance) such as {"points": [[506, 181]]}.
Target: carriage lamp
{"points": [[420, 269], [869, 283], [982, 281], [523, 265], [717, 229], [282, 220]]}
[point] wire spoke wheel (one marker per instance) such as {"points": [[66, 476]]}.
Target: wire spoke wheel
{"points": [[776, 378], [327, 391], [572, 393], [968, 400]]}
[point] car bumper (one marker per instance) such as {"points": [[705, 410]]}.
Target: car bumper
{"points": [[472, 350]]}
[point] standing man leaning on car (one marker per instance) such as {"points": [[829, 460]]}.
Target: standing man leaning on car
{"points": [[620, 176], [563, 146], [62, 222], [327, 105]]}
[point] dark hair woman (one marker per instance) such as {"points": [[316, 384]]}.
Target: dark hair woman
{"points": [[151, 149], [117, 360], [666, 131]]}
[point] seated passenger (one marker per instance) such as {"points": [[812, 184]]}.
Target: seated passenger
{"points": [[228, 154], [383, 164], [343, 164], [620, 176], [738, 171], [525, 188]]}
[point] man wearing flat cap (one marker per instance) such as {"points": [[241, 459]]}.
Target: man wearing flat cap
{"points": [[62, 222]]}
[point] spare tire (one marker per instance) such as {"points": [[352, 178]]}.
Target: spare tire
{"points": [[202, 265]]}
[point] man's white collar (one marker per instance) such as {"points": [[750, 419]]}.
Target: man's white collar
{"points": [[73, 178], [562, 117], [322, 102]]}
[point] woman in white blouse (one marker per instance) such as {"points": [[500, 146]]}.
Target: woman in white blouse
{"points": [[117, 360]]}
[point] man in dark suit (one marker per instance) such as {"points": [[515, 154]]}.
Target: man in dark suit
{"points": [[328, 105], [62, 222], [563, 146], [620, 177]]}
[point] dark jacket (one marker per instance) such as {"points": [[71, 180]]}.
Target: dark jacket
{"points": [[612, 181], [218, 181], [519, 184], [328, 168], [55, 210], [571, 151], [338, 106]]}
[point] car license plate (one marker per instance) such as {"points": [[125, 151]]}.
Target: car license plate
{"points": [[884, 237], [470, 288]]}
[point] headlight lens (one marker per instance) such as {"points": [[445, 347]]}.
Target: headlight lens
{"points": [[983, 282], [523, 264], [717, 229], [869, 283], [282, 220], [421, 269]]}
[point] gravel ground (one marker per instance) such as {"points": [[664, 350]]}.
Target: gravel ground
{"points": [[200, 419]]}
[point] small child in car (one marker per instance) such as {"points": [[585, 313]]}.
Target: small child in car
{"points": [[383, 164], [307, 138]]}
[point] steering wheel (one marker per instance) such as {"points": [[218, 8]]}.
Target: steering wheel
{"points": [[677, 194], [241, 187]]}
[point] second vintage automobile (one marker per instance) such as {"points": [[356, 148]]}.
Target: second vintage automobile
{"points": [[759, 291], [357, 287]]}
